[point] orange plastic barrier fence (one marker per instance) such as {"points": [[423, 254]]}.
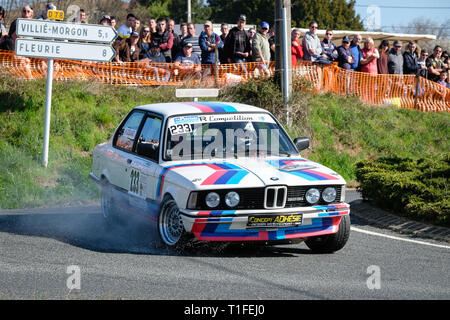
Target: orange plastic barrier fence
{"points": [[134, 73], [405, 91]]}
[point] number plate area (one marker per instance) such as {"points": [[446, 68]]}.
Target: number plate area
{"points": [[275, 221]]}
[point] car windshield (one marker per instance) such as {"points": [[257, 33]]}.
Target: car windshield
{"points": [[206, 136]]}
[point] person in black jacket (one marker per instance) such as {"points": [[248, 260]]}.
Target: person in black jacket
{"points": [[410, 59], [345, 54], [165, 39], [328, 47], [237, 45]]}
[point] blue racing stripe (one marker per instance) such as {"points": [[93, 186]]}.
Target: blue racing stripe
{"points": [[218, 107], [225, 177], [237, 177], [301, 175], [222, 212]]}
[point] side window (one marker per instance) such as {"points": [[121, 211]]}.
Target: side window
{"points": [[149, 138], [127, 134]]}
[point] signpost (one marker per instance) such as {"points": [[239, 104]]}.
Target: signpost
{"points": [[64, 50], [65, 31], [92, 43]]}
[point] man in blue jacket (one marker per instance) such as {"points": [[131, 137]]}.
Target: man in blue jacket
{"points": [[209, 42], [356, 50]]}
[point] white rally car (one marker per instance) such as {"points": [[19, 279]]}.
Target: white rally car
{"points": [[222, 172]]}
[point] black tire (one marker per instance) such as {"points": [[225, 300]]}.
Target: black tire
{"points": [[170, 225], [109, 211], [331, 242]]}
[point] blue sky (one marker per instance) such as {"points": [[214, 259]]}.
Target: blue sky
{"points": [[401, 12]]}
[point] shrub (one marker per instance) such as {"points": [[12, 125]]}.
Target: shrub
{"points": [[418, 189]]}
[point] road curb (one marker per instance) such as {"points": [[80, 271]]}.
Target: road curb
{"points": [[371, 215]]}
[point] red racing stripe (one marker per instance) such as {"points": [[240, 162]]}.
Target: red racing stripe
{"points": [[200, 107], [213, 178], [327, 176]]}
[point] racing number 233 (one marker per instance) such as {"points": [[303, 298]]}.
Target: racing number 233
{"points": [[134, 185]]}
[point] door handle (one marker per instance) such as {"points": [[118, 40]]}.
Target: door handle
{"points": [[129, 161]]}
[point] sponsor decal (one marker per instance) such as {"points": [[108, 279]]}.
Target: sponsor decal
{"points": [[274, 221], [301, 168]]}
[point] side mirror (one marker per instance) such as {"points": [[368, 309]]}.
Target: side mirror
{"points": [[148, 150], [301, 143]]}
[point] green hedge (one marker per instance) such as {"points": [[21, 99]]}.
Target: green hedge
{"points": [[418, 189]]}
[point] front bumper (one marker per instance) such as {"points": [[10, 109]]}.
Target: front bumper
{"points": [[231, 225]]}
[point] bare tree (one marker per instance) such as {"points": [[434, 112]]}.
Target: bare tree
{"points": [[428, 26]]}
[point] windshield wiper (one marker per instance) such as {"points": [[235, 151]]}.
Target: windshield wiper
{"points": [[286, 153]]}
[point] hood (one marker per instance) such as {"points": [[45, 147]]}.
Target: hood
{"points": [[254, 173]]}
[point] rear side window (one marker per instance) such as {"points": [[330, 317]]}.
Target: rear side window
{"points": [[127, 134]]}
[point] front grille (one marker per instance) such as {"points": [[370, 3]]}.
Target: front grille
{"points": [[296, 195], [275, 197], [251, 198]]}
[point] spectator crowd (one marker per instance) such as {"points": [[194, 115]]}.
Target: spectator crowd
{"points": [[156, 41]]}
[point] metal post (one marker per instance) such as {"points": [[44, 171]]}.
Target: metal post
{"points": [[48, 107], [416, 91], [283, 50], [216, 67], [110, 73], [189, 11], [286, 70]]}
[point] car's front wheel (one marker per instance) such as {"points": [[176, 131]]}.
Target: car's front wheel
{"points": [[331, 242], [170, 225]]}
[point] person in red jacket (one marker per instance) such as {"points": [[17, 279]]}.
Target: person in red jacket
{"points": [[296, 47]]}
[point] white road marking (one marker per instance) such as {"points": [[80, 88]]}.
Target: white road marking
{"points": [[398, 238]]}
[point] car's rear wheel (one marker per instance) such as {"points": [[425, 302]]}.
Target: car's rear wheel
{"points": [[331, 242], [107, 203], [170, 225]]}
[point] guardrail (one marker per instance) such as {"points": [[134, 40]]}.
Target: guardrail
{"points": [[404, 91]]}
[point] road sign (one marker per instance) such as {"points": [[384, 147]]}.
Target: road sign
{"points": [[196, 93], [65, 31], [46, 47], [64, 50], [55, 15]]}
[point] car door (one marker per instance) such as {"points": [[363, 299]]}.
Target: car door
{"points": [[144, 167], [123, 144]]}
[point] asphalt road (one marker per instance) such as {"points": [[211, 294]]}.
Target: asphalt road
{"points": [[37, 248]]}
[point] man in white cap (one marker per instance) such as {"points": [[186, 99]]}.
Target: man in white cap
{"points": [[209, 42], [188, 61]]}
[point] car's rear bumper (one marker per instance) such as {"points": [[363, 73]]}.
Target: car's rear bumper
{"points": [[231, 225]]}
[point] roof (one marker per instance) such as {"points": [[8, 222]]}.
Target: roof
{"points": [[173, 108], [339, 34]]}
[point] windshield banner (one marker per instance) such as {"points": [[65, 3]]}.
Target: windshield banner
{"points": [[199, 119]]}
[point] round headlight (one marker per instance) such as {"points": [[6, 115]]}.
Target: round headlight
{"points": [[312, 195], [329, 194], [212, 200], [232, 199]]}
